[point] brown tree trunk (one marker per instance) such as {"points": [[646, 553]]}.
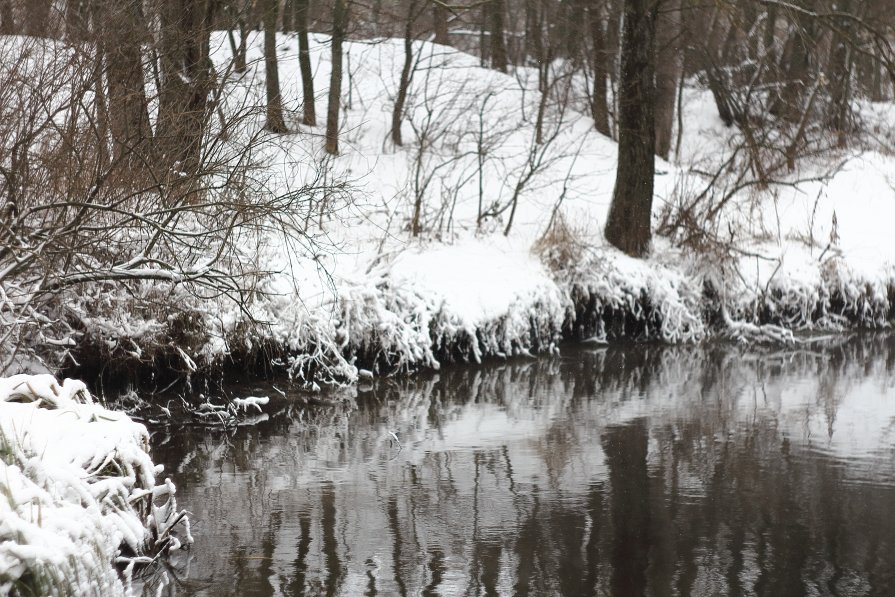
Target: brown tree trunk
{"points": [[534, 42], [7, 21], [124, 33], [288, 21], [275, 122], [304, 63], [76, 20], [186, 81], [796, 81], [840, 69], [340, 24], [495, 10], [574, 31], [599, 106], [628, 225], [440, 24], [406, 72], [668, 66], [37, 17]]}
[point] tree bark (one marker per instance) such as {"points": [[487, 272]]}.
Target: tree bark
{"points": [[275, 122], [628, 224], [668, 66], [76, 20], [498, 44], [340, 24], [7, 21], [186, 81], [304, 63], [599, 105], [124, 33], [37, 17], [406, 71], [440, 24]]}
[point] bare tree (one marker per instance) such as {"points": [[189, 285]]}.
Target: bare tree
{"points": [[599, 67], [340, 26], [668, 67], [494, 10], [304, 63], [630, 213], [275, 122]]}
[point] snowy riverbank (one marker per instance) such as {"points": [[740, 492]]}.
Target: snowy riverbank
{"points": [[511, 258], [80, 500]]}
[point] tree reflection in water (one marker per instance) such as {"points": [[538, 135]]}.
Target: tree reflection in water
{"points": [[637, 470]]}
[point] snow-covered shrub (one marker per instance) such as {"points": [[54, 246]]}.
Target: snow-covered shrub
{"points": [[78, 492]]}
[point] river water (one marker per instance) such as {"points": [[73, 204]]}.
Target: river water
{"points": [[711, 470]]}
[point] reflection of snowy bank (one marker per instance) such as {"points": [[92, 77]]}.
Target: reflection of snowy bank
{"points": [[78, 491]]}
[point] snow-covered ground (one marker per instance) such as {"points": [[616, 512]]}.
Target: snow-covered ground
{"points": [[79, 492], [801, 253], [806, 253]]}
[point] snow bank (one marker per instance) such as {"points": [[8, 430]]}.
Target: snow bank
{"points": [[78, 492], [810, 253]]}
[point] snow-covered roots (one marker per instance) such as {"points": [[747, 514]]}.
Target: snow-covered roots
{"points": [[78, 493]]}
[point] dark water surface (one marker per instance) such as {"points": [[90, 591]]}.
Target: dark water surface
{"points": [[620, 471]]}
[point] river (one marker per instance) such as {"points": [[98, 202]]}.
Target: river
{"points": [[623, 470]]}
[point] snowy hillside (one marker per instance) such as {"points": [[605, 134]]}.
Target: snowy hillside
{"points": [[485, 293], [509, 256]]}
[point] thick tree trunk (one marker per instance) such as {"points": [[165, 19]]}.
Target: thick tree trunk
{"points": [[796, 82], [599, 105], [534, 41], [76, 20], [124, 32], [574, 29], [668, 66], [7, 21], [288, 21], [304, 63], [186, 81], [37, 17], [498, 44], [630, 213], [340, 24], [275, 122], [440, 24]]}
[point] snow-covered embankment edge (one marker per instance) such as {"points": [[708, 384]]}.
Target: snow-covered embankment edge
{"points": [[80, 499]]}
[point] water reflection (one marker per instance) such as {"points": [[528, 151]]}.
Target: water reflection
{"points": [[622, 471]]}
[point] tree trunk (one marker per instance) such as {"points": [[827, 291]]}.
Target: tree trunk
{"points": [[440, 24], [186, 81], [7, 21], [630, 213], [840, 69], [340, 24], [534, 42], [599, 106], [76, 20], [288, 22], [304, 63], [668, 66], [406, 72], [495, 10], [574, 29], [275, 122], [124, 33], [37, 17], [796, 81]]}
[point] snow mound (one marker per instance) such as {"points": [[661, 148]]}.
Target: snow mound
{"points": [[78, 492]]}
